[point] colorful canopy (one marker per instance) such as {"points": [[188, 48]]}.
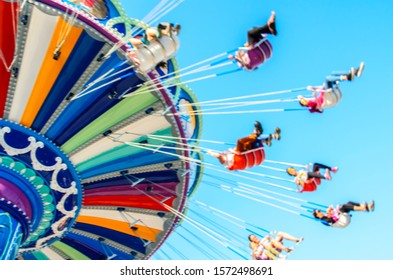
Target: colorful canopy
{"points": [[63, 72]]}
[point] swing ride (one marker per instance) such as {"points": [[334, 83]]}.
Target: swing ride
{"points": [[100, 141]]}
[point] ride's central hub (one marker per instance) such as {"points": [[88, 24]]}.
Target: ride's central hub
{"points": [[40, 191]]}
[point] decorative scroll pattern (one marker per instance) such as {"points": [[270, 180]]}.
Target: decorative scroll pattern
{"points": [[63, 194]]}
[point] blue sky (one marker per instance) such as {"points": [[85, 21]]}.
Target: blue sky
{"points": [[314, 38]]}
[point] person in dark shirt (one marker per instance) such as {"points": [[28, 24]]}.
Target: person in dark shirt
{"points": [[254, 37], [246, 143], [331, 215]]}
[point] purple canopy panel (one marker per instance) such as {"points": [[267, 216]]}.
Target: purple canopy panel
{"points": [[12, 193], [164, 189]]}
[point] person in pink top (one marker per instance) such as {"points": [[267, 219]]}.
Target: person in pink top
{"points": [[315, 104]]}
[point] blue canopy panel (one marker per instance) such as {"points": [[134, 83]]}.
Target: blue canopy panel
{"points": [[125, 239], [83, 248], [85, 50], [132, 161], [102, 104], [29, 256], [96, 244], [75, 107]]}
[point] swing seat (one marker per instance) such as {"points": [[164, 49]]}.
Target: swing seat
{"points": [[311, 185], [248, 159], [270, 255], [97, 9], [344, 219], [258, 54], [332, 97], [147, 57]]}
